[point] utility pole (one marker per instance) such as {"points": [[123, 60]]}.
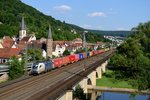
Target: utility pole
{"points": [[26, 59], [85, 47]]}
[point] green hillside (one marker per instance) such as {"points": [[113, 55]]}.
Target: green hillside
{"points": [[11, 12]]}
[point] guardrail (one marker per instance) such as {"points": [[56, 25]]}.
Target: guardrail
{"points": [[4, 68]]}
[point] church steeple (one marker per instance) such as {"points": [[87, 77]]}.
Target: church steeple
{"points": [[49, 33], [22, 32], [23, 26], [49, 43]]}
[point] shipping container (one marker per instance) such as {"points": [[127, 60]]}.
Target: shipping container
{"points": [[80, 56], [101, 51], [77, 57], [88, 54], [57, 62], [84, 55], [65, 60], [71, 58], [91, 53]]}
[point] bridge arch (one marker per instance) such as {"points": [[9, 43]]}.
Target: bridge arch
{"points": [[89, 82], [96, 74]]}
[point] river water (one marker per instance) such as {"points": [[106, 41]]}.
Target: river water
{"points": [[122, 96]]}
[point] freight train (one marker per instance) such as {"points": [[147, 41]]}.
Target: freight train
{"points": [[45, 66]]}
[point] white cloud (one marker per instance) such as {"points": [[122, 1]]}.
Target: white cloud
{"points": [[62, 8], [97, 14]]}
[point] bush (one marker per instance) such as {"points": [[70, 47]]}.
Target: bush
{"points": [[66, 53], [78, 93], [16, 68]]}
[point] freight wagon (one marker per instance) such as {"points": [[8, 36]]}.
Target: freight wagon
{"points": [[44, 66]]}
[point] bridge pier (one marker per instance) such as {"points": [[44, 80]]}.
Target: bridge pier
{"points": [[94, 94], [67, 96], [93, 78], [99, 72], [104, 66]]}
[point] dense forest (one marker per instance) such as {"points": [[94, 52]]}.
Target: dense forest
{"points": [[112, 33], [11, 12], [132, 59]]}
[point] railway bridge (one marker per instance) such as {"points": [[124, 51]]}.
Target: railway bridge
{"points": [[57, 84], [87, 81]]}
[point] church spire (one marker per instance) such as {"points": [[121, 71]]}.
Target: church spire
{"points": [[23, 26], [22, 32], [49, 33]]}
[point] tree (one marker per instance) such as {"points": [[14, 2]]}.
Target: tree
{"points": [[34, 54], [16, 68], [66, 53], [132, 59], [78, 93], [11, 13]]}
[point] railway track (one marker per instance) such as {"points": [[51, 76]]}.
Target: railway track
{"points": [[25, 89], [53, 93]]}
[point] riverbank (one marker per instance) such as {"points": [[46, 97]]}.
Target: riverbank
{"points": [[108, 80], [110, 89], [109, 83]]}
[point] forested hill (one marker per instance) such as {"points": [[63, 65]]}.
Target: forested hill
{"points": [[11, 12], [112, 33]]}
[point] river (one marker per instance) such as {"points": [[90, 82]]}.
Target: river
{"points": [[122, 96], [116, 96]]}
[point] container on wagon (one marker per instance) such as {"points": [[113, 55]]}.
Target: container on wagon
{"points": [[65, 60], [101, 51], [88, 54], [57, 62], [77, 57], [80, 56], [84, 55], [91, 53], [71, 58]]}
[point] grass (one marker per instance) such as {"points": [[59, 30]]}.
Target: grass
{"points": [[108, 81]]}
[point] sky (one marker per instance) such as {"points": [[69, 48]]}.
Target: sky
{"points": [[96, 14]]}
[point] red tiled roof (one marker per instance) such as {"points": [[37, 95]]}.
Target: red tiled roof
{"points": [[9, 52], [7, 42], [22, 45]]}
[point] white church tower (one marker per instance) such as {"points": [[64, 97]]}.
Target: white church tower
{"points": [[22, 32]]}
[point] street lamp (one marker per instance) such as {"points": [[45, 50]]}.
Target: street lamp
{"points": [[85, 47]]}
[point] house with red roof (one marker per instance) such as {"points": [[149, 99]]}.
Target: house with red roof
{"points": [[7, 53]]}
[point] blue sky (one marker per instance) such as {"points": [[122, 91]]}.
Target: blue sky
{"points": [[96, 14]]}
